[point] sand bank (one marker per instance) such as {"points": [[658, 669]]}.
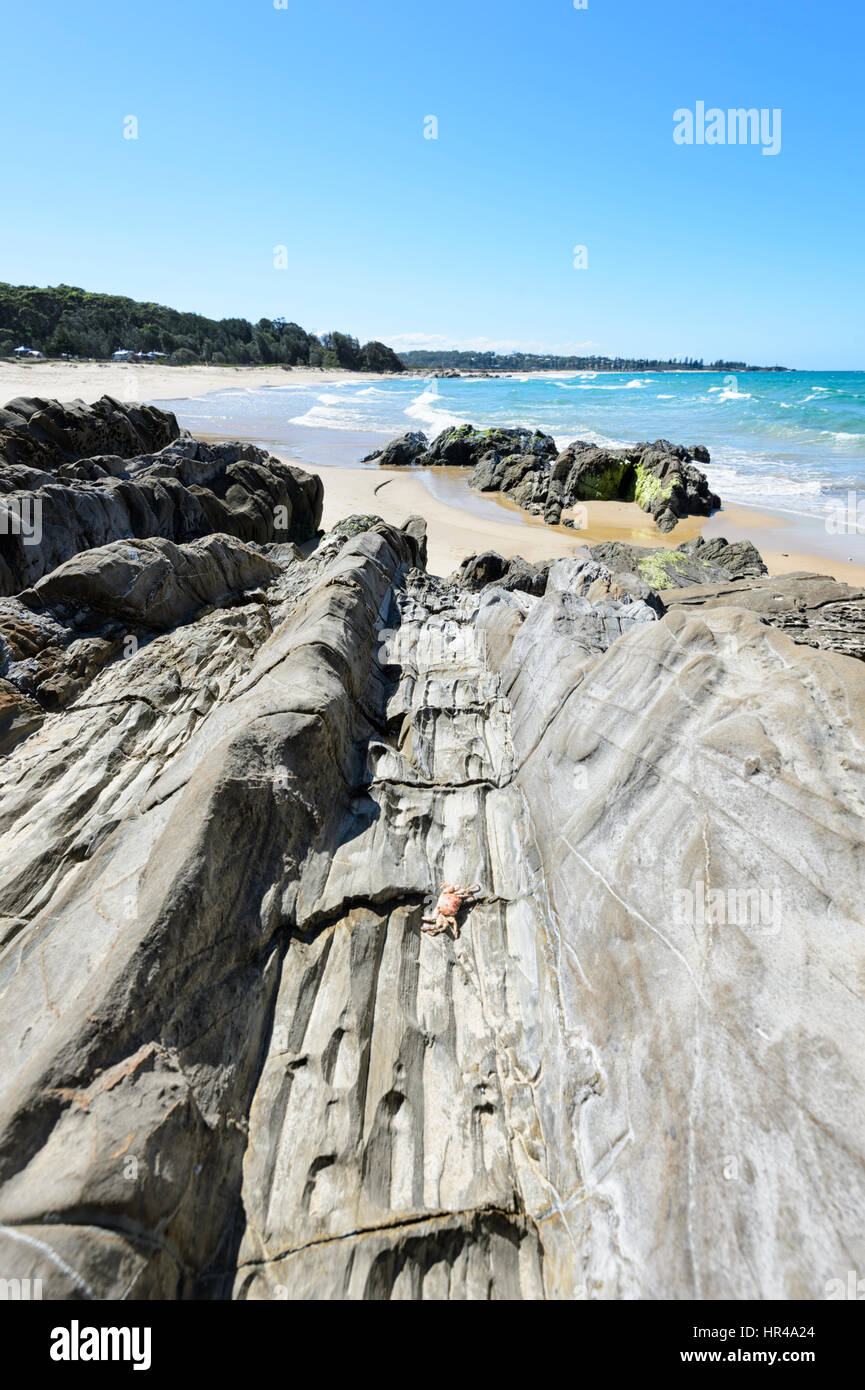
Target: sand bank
{"points": [[461, 523]]}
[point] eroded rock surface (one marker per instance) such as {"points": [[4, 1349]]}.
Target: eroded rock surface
{"points": [[697, 561], [811, 608], [232, 1065], [44, 434]]}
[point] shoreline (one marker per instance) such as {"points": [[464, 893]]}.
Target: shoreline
{"points": [[148, 381], [460, 522], [157, 381]]}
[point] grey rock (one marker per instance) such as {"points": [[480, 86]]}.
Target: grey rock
{"points": [[401, 452], [811, 608], [477, 571], [45, 434], [184, 491], [231, 1064], [697, 561], [154, 582]]}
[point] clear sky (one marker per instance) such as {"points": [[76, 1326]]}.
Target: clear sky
{"points": [[304, 127]]}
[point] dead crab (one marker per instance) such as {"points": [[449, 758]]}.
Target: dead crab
{"points": [[450, 903]]}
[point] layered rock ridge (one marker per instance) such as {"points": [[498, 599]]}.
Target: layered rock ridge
{"points": [[72, 479], [234, 1067]]}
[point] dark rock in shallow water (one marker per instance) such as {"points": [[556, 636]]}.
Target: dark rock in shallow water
{"points": [[400, 453], [464, 446], [694, 562], [668, 486], [659, 477], [525, 464]]}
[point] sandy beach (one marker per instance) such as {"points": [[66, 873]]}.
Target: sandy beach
{"points": [[460, 522], [466, 525], [150, 381]]}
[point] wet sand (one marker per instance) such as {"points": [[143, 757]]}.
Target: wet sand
{"points": [[461, 522]]}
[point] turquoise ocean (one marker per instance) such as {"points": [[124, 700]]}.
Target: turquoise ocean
{"points": [[791, 442]]}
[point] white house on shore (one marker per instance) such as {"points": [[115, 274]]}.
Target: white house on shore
{"points": [[127, 355]]}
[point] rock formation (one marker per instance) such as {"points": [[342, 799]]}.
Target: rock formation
{"points": [[180, 492], [400, 453], [694, 562], [661, 477], [233, 1067], [811, 608]]}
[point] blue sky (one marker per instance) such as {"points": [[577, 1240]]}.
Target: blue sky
{"points": [[304, 127]]}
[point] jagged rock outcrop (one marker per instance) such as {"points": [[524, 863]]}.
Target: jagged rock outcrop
{"points": [[45, 434], [181, 492], [811, 608], [103, 604], [400, 453], [231, 1065], [478, 571], [697, 561], [596, 579], [661, 477]]}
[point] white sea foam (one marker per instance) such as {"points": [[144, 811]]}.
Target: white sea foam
{"points": [[636, 385], [603, 441], [817, 394], [728, 393], [324, 417], [427, 407]]}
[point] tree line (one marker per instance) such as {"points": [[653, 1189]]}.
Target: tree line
{"points": [[531, 361], [67, 321]]}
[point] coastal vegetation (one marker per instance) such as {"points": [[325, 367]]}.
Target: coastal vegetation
{"points": [[66, 321], [532, 361]]}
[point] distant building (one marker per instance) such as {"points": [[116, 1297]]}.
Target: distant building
{"points": [[26, 352]]}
